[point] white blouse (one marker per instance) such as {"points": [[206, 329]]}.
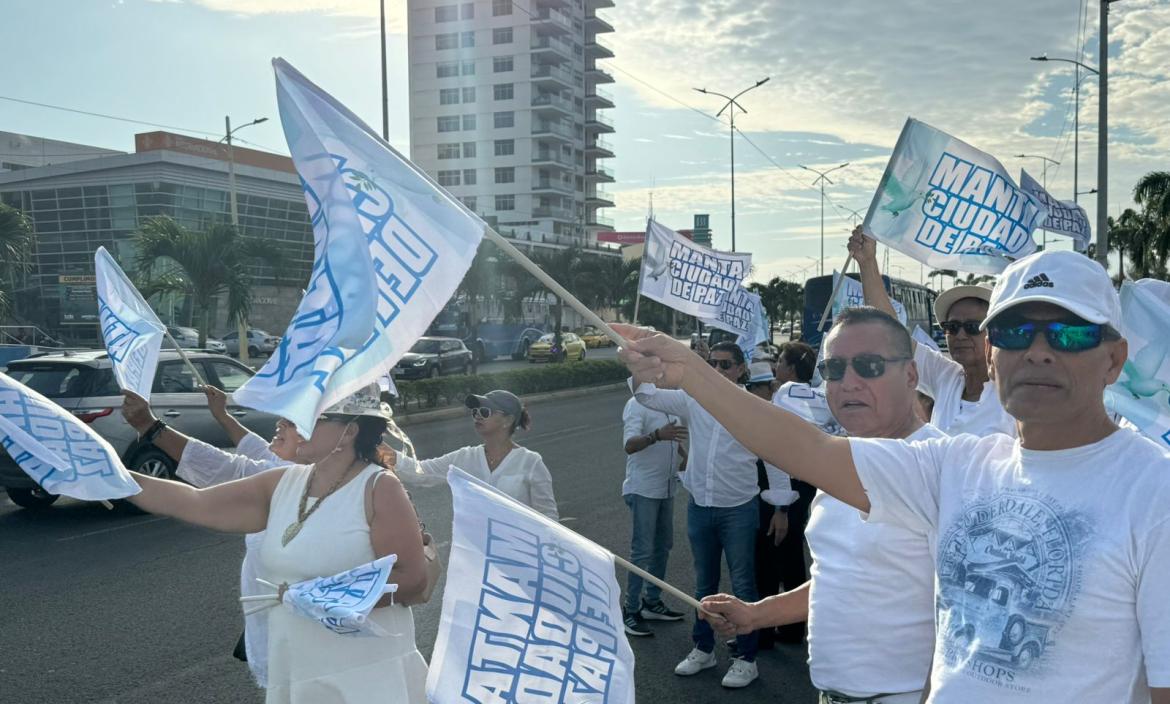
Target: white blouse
{"points": [[521, 475]]}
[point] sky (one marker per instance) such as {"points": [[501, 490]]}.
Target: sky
{"points": [[843, 78]]}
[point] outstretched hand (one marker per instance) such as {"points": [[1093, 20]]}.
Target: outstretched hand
{"points": [[862, 247], [216, 400], [136, 411], [654, 358], [728, 615]]}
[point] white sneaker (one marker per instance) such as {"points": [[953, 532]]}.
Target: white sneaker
{"points": [[740, 674], [695, 661]]}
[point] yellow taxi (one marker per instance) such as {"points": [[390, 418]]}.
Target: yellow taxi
{"points": [[572, 349], [592, 337]]}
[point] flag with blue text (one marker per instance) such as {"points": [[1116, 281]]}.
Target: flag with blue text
{"points": [[1064, 216], [57, 449], [530, 610], [949, 205], [686, 276], [851, 294], [342, 603], [1142, 393], [391, 248], [742, 313], [132, 332]]}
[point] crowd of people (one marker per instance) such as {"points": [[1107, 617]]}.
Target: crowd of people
{"points": [[1002, 541]]}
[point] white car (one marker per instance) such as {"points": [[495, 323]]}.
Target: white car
{"points": [[188, 339], [259, 342]]}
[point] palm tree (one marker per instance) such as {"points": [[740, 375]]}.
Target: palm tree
{"points": [[613, 282], [570, 268], [203, 264], [771, 298], [1132, 234], [16, 237], [476, 286]]}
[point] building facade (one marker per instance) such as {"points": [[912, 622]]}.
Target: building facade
{"points": [[506, 111], [78, 205], [22, 151]]}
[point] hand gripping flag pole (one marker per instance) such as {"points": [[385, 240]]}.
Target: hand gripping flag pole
{"points": [[833, 296]]}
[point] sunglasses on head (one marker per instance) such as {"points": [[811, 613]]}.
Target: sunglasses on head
{"points": [[867, 366], [723, 364], [482, 412], [952, 327], [1062, 337]]}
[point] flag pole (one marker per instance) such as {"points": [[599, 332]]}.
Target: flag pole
{"points": [[661, 584], [833, 296], [186, 360]]}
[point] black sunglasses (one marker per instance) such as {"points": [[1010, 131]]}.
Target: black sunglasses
{"points": [[1062, 337], [867, 366], [723, 364], [952, 327]]}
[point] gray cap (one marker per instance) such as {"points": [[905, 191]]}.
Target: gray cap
{"points": [[505, 402]]}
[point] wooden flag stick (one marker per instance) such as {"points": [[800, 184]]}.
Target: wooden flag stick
{"points": [[257, 609], [259, 597], [186, 360], [833, 297], [670, 588]]}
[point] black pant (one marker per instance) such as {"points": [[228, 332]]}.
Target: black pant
{"points": [[782, 567]]}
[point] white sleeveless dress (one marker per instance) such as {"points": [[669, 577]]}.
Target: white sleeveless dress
{"points": [[308, 664]]}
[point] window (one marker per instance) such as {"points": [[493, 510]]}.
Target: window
{"points": [[505, 202], [469, 122], [173, 378], [501, 7], [469, 201], [502, 35], [469, 177], [231, 376], [446, 41], [446, 13], [467, 39], [447, 69], [469, 150], [448, 96], [503, 91], [467, 68], [469, 95], [448, 124], [504, 119], [502, 64], [505, 147], [467, 11], [449, 178], [449, 151], [505, 174]]}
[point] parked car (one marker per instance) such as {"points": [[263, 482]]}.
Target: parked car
{"points": [[83, 383], [188, 339], [572, 348], [592, 337], [431, 357], [259, 342]]}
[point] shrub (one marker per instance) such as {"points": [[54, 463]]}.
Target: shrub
{"points": [[451, 390]]}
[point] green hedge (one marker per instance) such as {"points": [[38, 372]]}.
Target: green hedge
{"points": [[451, 390]]}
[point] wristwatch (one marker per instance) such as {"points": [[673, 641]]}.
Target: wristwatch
{"points": [[152, 432]]}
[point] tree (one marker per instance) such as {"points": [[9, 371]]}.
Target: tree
{"points": [[203, 264], [572, 269], [476, 286], [772, 298], [16, 238]]}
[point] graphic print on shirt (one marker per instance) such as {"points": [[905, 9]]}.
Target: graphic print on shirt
{"points": [[1009, 571]]}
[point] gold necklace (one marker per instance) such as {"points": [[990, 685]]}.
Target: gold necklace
{"points": [[302, 514], [492, 465]]}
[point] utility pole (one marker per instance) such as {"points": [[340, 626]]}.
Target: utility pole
{"points": [[1043, 182], [823, 176], [241, 322], [1103, 140], [385, 96]]}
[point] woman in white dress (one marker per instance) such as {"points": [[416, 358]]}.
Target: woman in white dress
{"points": [[499, 461], [320, 519]]}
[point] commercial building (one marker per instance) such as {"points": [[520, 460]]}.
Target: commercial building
{"points": [[506, 111], [77, 205]]}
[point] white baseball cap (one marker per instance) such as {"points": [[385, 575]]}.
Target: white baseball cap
{"points": [[1063, 278], [760, 372]]}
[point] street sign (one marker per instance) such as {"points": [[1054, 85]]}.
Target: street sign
{"points": [[702, 229]]}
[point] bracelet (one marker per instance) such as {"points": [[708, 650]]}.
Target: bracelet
{"points": [[152, 432]]}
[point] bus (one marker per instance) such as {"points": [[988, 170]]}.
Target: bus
{"points": [[917, 299]]}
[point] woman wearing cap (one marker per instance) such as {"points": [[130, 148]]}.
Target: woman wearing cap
{"points": [[964, 399], [499, 461], [341, 511]]}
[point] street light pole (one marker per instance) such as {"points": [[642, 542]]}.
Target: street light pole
{"points": [[385, 96], [241, 323], [1043, 182], [733, 105], [1103, 140], [1076, 109], [823, 176]]}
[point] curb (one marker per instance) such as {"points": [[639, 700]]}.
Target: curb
{"points": [[418, 417]]}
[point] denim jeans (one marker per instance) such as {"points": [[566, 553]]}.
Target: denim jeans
{"points": [[715, 532], [653, 537]]}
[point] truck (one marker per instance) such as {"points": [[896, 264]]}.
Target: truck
{"points": [[988, 613]]}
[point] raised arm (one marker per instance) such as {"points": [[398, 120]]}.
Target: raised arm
{"points": [[430, 472], [136, 410], [741, 618], [235, 507], [217, 403], [864, 251], [778, 437]]}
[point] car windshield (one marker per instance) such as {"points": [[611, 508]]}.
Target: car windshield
{"points": [[53, 381], [547, 338], [426, 347]]}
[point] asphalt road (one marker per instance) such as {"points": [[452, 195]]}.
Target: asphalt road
{"points": [[102, 608]]}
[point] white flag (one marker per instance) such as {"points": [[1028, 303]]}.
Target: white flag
{"points": [[342, 603], [1142, 393], [923, 338], [530, 610], [1064, 216], [391, 248], [949, 205], [56, 449], [132, 332], [686, 276], [743, 314]]}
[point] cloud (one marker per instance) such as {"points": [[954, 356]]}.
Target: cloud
{"points": [[395, 9]]}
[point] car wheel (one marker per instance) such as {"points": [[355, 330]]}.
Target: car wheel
{"points": [[582, 357], [1026, 657], [35, 498], [434, 374], [154, 463], [1014, 633]]}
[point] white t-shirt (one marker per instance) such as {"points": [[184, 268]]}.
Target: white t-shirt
{"points": [[871, 602], [942, 378], [521, 475], [808, 402], [1053, 568], [651, 471]]}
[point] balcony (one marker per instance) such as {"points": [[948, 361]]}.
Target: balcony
{"points": [[551, 102], [549, 50], [597, 51], [599, 199], [552, 76], [598, 123], [597, 98], [549, 22], [595, 24], [598, 147], [552, 185], [556, 130], [596, 75], [552, 212], [548, 157], [595, 220], [599, 174], [557, 4], [594, 5]]}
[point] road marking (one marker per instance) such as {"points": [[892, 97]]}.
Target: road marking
{"points": [[578, 430], [568, 519], [114, 528]]}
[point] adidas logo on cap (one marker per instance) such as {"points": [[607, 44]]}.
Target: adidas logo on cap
{"points": [[1041, 281]]}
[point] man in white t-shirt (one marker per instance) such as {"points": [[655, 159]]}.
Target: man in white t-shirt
{"points": [[965, 401], [1053, 564], [870, 602]]}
